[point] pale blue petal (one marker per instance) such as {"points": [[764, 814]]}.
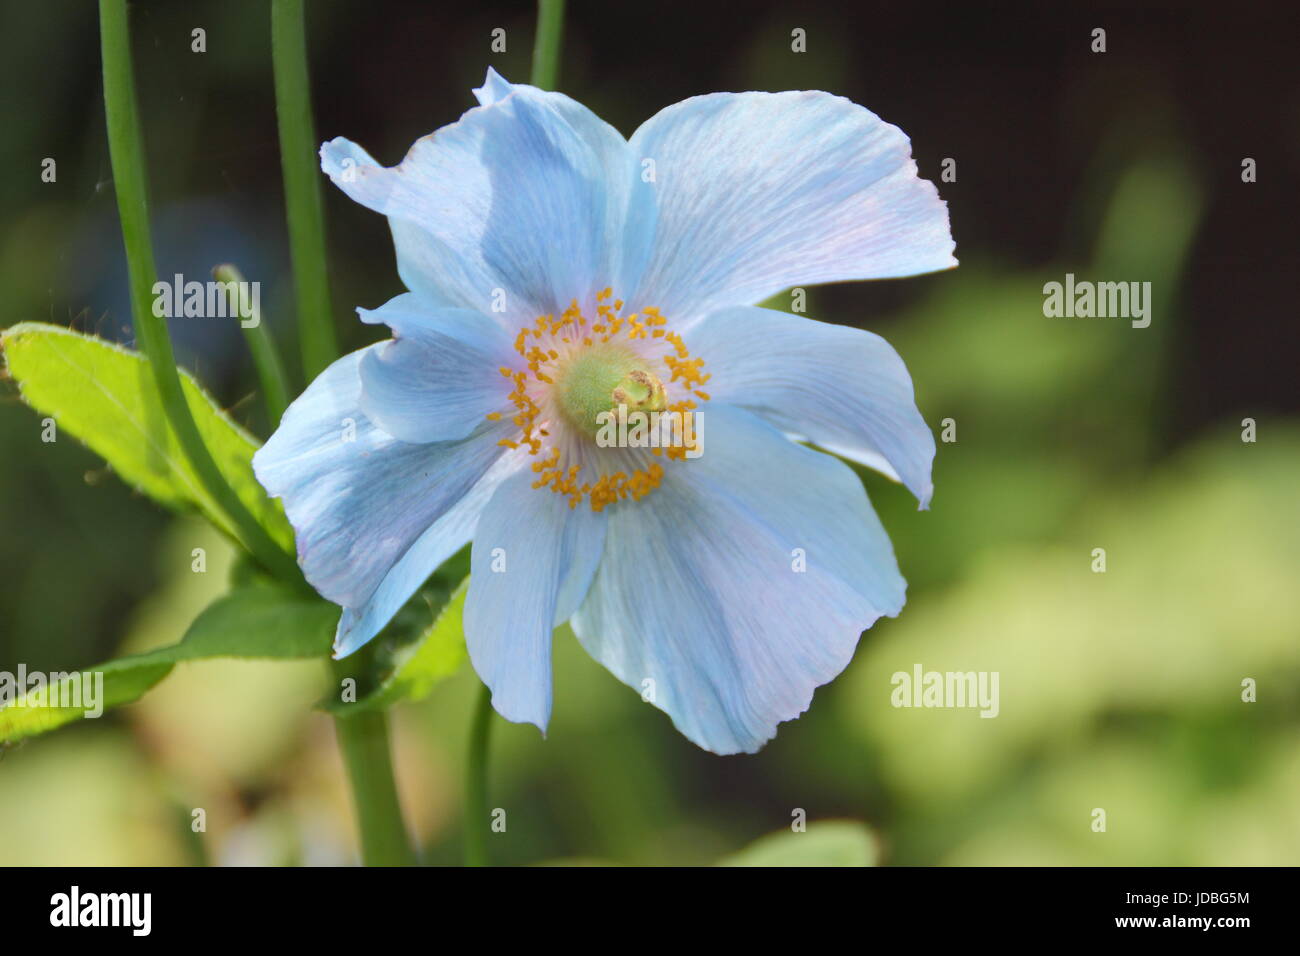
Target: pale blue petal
{"points": [[532, 562], [495, 87], [409, 313], [439, 378], [699, 589], [844, 389], [419, 257], [630, 206], [444, 538], [758, 192], [357, 497], [526, 196]]}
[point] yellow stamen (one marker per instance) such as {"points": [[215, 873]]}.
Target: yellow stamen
{"points": [[549, 359]]}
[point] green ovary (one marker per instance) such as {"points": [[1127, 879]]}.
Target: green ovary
{"points": [[602, 378]]}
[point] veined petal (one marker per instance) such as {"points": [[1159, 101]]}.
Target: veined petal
{"points": [[844, 389], [758, 192], [631, 211], [439, 378], [357, 497], [525, 197], [741, 585], [445, 537], [532, 562]]}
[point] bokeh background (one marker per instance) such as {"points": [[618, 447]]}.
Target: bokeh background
{"points": [[1119, 690]]}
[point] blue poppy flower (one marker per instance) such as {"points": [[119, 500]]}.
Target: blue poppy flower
{"points": [[558, 271]]}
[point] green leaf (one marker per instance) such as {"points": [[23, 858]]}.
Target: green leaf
{"points": [[105, 395], [258, 622], [411, 669], [826, 843]]}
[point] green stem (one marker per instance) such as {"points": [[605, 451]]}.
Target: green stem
{"points": [[270, 370], [127, 156], [477, 813], [363, 741], [367, 759], [302, 197], [546, 47]]}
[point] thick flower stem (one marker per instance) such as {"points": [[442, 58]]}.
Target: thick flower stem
{"points": [[363, 741], [367, 760], [127, 156], [546, 46], [476, 801], [302, 195]]}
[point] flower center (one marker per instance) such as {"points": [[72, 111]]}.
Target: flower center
{"points": [[572, 374], [602, 377]]}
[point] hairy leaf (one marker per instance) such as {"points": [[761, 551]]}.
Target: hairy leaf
{"points": [[105, 396]]}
